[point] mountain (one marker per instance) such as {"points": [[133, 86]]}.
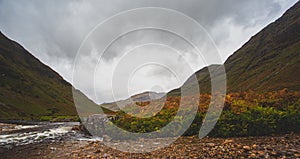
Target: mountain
{"points": [[146, 96], [269, 61], [28, 88]]}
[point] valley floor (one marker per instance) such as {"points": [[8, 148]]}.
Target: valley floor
{"points": [[279, 146]]}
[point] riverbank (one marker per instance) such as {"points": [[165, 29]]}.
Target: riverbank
{"points": [[14, 135], [282, 146]]}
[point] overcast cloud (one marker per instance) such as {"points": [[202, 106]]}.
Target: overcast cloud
{"points": [[53, 30]]}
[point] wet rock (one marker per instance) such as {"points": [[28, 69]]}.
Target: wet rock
{"points": [[247, 148], [239, 146], [261, 153], [211, 144], [228, 141], [107, 138], [253, 155], [293, 150], [184, 147], [273, 153]]}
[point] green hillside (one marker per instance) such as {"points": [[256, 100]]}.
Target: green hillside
{"points": [[28, 88], [269, 61]]}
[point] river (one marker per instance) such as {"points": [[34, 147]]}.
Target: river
{"points": [[24, 133]]}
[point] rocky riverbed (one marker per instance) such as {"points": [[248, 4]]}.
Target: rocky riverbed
{"points": [[279, 146], [13, 135]]}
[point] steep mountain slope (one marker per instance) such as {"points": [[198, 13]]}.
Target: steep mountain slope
{"points": [[28, 88], [269, 61]]}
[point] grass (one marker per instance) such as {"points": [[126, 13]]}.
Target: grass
{"points": [[244, 114]]}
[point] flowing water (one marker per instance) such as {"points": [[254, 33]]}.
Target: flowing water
{"points": [[17, 134]]}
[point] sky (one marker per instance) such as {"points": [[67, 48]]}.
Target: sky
{"points": [[93, 44]]}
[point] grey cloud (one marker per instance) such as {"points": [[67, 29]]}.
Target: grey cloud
{"points": [[53, 30]]}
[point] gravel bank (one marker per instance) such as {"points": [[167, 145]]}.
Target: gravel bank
{"points": [[283, 146]]}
